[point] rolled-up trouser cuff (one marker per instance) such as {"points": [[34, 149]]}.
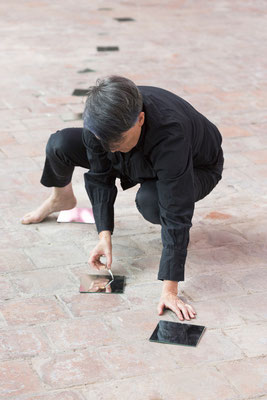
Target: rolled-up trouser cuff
{"points": [[49, 177]]}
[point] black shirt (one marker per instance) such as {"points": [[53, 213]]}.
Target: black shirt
{"points": [[175, 138]]}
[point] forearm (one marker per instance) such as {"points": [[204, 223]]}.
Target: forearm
{"points": [[102, 195]]}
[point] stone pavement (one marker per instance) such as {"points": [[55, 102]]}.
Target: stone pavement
{"points": [[58, 344]]}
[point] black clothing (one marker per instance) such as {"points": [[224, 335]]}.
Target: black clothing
{"points": [[147, 199], [179, 152], [64, 151]]}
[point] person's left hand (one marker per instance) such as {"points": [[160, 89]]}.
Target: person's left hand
{"points": [[173, 302]]}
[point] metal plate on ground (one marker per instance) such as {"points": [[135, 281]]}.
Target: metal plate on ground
{"points": [[102, 284], [177, 333]]}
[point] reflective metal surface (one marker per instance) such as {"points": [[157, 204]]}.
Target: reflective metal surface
{"points": [[102, 283], [177, 333]]}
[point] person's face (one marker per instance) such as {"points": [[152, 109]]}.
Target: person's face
{"points": [[130, 137]]}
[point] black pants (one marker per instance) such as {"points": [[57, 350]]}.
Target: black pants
{"points": [[65, 151]]}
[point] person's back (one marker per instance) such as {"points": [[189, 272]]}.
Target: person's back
{"points": [[166, 108]]}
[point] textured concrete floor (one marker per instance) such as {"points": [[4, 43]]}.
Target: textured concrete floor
{"points": [[58, 344]]}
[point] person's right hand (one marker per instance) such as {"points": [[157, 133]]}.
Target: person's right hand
{"points": [[102, 249], [173, 302]]}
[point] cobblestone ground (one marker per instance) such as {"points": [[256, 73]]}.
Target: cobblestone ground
{"points": [[58, 344]]}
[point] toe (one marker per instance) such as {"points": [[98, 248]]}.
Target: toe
{"points": [[25, 220]]}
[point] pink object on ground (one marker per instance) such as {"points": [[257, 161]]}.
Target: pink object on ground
{"points": [[84, 215]]}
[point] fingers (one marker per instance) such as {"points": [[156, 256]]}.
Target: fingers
{"points": [[160, 308], [191, 311], [109, 260], [172, 306], [96, 253], [187, 310], [182, 310], [94, 261], [96, 264], [191, 314], [185, 313], [178, 313]]}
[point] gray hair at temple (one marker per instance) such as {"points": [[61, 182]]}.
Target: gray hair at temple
{"points": [[112, 108]]}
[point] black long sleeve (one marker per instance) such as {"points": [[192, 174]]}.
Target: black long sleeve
{"points": [[100, 184], [175, 188]]}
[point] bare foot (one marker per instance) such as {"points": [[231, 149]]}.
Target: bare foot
{"points": [[60, 199]]}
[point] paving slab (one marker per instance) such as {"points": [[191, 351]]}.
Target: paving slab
{"points": [[181, 384], [248, 376], [251, 338]]}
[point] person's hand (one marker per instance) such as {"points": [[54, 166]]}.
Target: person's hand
{"points": [[103, 248], [173, 302]]}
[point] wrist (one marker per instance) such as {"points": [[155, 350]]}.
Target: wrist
{"points": [[104, 235], [170, 286]]}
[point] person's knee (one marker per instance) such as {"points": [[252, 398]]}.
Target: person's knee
{"points": [[147, 202], [59, 143]]}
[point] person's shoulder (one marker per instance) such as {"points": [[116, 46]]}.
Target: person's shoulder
{"points": [[161, 99], [154, 91]]}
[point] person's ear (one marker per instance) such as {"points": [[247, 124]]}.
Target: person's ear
{"points": [[141, 118]]}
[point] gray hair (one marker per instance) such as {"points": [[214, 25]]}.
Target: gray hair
{"points": [[112, 108]]}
